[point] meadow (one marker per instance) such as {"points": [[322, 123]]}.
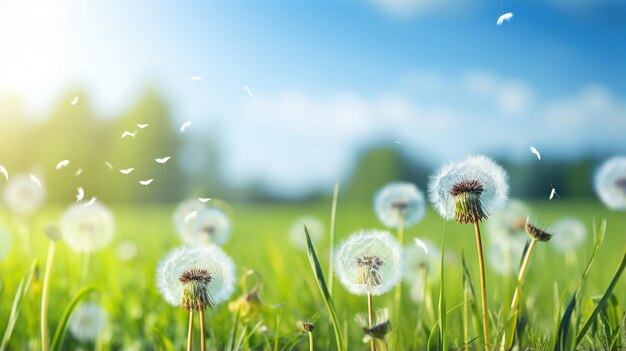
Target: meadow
{"points": [[139, 318]]}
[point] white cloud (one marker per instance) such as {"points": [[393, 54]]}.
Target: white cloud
{"points": [[513, 97]]}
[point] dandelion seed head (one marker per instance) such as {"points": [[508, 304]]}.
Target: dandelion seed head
{"points": [[418, 264], [127, 251], [210, 225], [88, 321], [569, 233], [369, 261], [399, 203], [537, 233], [381, 327], [306, 326], [210, 271], [87, 229], [468, 190], [22, 195], [296, 231], [610, 182]]}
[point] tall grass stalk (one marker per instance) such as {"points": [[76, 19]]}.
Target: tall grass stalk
{"points": [[22, 289], [333, 217], [45, 295], [483, 285]]}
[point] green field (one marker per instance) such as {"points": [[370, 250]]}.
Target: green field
{"points": [[139, 318]]}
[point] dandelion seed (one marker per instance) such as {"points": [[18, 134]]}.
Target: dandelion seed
{"points": [[195, 78], [146, 182], [553, 192], [381, 327], [369, 262], [469, 190], [4, 172], [204, 199], [313, 225], [247, 90], [127, 171], [35, 180], [504, 17], [421, 244], [87, 229], [128, 134], [108, 164], [536, 152], [399, 204], [162, 160], [421, 260], [610, 183], [569, 233], [201, 276], [79, 172], [74, 101], [142, 126], [90, 202], [88, 321], [184, 126], [22, 195], [190, 216], [62, 164]]}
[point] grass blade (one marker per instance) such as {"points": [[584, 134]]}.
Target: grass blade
{"points": [[164, 342], [59, 334], [22, 289], [563, 330], [603, 301], [333, 216], [321, 284]]}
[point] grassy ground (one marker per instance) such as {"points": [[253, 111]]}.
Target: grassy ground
{"points": [[138, 314]]}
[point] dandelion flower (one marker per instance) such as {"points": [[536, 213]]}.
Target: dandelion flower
{"points": [[381, 327], [88, 321], [537, 233], [127, 250], [369, 261], [22, 195], [399, 204], [210, 225], [468, 190], [568, 234], [87, 229], [296, 231], [202, 275], [610, 183]]}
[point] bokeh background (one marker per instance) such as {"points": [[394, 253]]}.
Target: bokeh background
{"points": [[363, 92]]}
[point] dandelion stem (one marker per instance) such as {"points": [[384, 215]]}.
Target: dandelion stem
{"points": [[310, 341], [383, 345], [202, 335], [398, 294], [520, 277], [465, 315], [483, 285], [333, 215], [370, 317], [190, 331], [44, 297]]}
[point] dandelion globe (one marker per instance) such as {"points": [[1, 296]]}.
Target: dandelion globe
{"points": [[418, 263], [22, 195], [610, 183], [369, 262], [469, 190], [296, 231], [569, 233], [200, 276], [87, 229], [508, 223], [127, 251], [88, 321], [198, 224], [399, 204], [504, 256]]}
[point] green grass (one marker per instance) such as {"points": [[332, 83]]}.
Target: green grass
{"points": [[140, 318]]}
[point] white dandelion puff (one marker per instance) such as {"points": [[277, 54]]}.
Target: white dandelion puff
{"points": [[569, 233], [22, 195], [421, 261], [62, 164], [127, 250], [504, 256], [369, 261], [212, 270], [399, 203], [508, 223], [4, 172], [88, 321], [468, 190], [296, 231], [610, 182], [184, 126], [87, 229]]}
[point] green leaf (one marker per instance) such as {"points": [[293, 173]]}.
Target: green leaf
{"points": [[21, 292], [442, 301], [321, 284], [59, 335]]}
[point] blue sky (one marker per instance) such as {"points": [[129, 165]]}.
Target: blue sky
{"points": [[331, 76]]}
